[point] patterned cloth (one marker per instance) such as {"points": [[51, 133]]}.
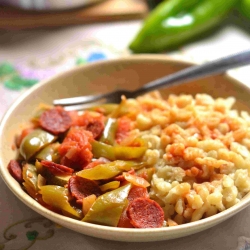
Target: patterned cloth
{"points": [[27, 57]]}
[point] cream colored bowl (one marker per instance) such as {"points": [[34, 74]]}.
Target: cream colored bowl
{"points": [[130, 73]]}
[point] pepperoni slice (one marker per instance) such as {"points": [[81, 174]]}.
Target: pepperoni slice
{"points": [[15, 170], [55, 120], [75, 149], [57, 169], [80, 188], [145, 213]]}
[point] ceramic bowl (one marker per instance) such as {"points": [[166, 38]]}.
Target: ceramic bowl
{"points": [[130, 73]]}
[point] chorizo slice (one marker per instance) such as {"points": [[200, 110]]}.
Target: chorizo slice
{"points": [[96, 127], [81, 188], [57, 169], [137, 192], [134, 193], [15, 170], [55, 120], [145, 213]]}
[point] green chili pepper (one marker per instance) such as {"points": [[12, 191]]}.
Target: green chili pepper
{"points": [[244, 7], [108, 135], [57, 197], [109, 170], [174, 22], [107, 209], [112, 153], [49, 153], [34, 142]]}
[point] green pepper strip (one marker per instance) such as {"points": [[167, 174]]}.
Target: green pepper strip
{"points": [[107, 209], [49, 153], [112, 153], [57, 197], [34, 142], [109, 170], [174, 22], [30, 178], [110, 186], [108, 135]]}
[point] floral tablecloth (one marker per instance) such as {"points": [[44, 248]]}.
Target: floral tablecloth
{"points": [[26, 57]]}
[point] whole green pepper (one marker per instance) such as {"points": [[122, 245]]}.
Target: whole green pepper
{"points": [[107, 209], [244, 7], [174, 22]]}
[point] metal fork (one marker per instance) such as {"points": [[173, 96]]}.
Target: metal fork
{"points": [[186, 75]]}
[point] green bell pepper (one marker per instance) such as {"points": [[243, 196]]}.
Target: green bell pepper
{"points": [[174, 22], [107, 209]]}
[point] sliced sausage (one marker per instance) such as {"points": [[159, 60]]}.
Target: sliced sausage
{"points": [[55, 120], [57, 169], [145, 213], [80, 188], [96, 127], [15, 170], [134, 193]]}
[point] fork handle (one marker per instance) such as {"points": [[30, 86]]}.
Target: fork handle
{"points": [[196, 72]]}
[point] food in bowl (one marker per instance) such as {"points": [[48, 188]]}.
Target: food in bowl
{"points": [[145, 163]]}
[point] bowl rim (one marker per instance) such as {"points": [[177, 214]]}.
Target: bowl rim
{"points": [[30, 202]]}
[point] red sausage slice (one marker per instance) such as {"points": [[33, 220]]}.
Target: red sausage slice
{"points": [[80, 188], [137, 192], [55, 120], [134, 193], [96, 127], [145, 213], [15, 170], [57, 169]]}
